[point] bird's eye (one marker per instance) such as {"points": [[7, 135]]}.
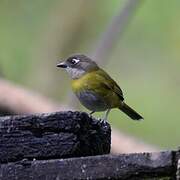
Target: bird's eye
{"points": [[74, 61]]}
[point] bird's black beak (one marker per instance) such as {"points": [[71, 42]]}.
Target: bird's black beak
{"points": [[62, 65]]}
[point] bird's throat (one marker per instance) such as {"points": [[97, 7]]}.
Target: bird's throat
{"points": [[75, 73]]}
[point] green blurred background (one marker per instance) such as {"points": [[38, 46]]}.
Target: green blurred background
{"points": [[146, 61]]}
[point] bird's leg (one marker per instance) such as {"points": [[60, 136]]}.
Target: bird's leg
{"points": [[92, 112], [104, 120]]}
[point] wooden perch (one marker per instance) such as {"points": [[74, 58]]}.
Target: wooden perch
{"points": [[56, 135], [51, 146], [125, 166]]}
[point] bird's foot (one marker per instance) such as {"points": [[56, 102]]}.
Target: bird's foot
{"points": [[91, 114], [103, 121]]}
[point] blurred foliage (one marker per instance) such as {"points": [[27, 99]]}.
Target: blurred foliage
{"points": [[35, 34]]}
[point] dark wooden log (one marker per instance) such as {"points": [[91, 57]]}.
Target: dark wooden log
{"points": [[126, 166], [50, 136], [177, 164]]}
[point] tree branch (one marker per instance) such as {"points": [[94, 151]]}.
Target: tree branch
{"points": [[114, 31], [17, 100]]}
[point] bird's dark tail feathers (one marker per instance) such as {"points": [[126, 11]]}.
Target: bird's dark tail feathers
{"points": [[130, 112]]}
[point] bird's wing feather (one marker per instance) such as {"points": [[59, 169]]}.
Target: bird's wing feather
{"points": [[108, 82]]}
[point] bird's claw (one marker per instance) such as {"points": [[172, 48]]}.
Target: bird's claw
{"points": [[103, 121]]}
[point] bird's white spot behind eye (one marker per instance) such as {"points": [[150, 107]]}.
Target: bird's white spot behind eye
{"points": [[75, 61]]}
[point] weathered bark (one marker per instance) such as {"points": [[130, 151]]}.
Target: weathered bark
{"points": [[177, 164], [125, 166], [32, 148], [50, 136]]}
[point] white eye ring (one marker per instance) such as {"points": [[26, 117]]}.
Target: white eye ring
{"points": [[74, 61]]}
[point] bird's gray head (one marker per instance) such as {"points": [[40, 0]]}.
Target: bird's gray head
{"points": [[78, 65]]}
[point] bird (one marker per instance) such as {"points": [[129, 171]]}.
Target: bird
{"points": [[94, 88]]}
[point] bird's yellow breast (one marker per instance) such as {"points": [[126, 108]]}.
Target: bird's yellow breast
{"points": [[82, 82], [100, 84]]}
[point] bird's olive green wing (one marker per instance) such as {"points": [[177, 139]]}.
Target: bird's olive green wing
{"points": [[108, 82]]}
